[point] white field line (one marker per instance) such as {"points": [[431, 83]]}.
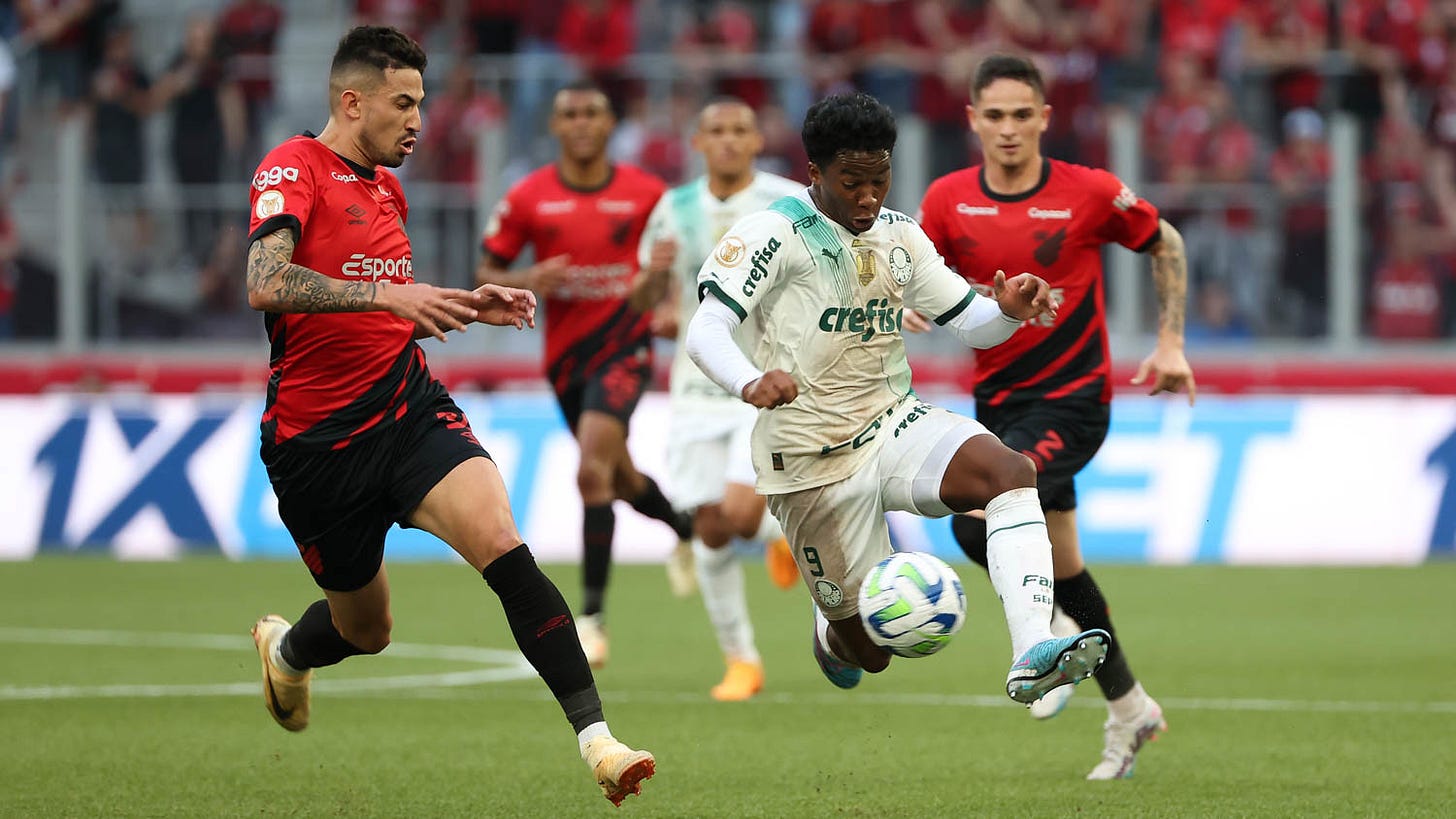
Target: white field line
{"points": [[508, 665]]}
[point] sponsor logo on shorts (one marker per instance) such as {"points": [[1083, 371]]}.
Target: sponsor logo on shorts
{"points": [[270, 203], [828, 593], [273, 176], [760, 260], [730, 251]]}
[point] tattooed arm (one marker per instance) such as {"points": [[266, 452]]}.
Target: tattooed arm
{"points": [[277, 285], [1167, 364]]}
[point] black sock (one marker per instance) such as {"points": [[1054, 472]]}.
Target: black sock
{"points": [[1080, 598], [970, 533], [313, 642], [543, 629], [654, 504], [598, 524]]}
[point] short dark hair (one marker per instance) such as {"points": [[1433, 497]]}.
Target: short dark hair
{"points": [[378, 47], [1007, 67], [847, 122], [587, 85]]}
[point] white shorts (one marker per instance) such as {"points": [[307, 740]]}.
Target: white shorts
{"points": [[838, 531], [706, 451]]}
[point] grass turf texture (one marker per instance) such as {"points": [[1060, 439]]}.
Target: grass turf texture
{"points": [[1289, 692]]}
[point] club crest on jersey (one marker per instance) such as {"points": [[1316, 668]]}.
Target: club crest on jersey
{"points": [[731, 251], [864, 262], [900, 265], [270, 203]]}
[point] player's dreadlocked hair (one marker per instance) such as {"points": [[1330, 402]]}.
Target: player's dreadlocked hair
{"points": [[847, 122], [1006, 67], [379, 47]]}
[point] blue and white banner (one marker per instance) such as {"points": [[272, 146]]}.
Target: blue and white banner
{"points": [[1288, 480]]}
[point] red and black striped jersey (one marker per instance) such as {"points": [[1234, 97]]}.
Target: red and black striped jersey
{"points": [[336, 376], [588, 321], [1055, 230]]}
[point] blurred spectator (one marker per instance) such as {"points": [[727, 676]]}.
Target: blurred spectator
{"points": [[66, 36], [651, 135], [948, 38], [837, 36], [1175, 127], [1300, 171], [1118, 32], [208, 127], [495, 25], [1198, 29], [539, 70], [1285, 41], [599, 35], [783, 147], [1215, 318], [719, 49], [122, 101], [247, 34], [1383, 37], [1405, 299], [455, 117], [1077, 131], [413, 17]]}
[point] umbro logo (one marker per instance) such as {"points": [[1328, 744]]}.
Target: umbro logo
{"points": [[356, 213]]}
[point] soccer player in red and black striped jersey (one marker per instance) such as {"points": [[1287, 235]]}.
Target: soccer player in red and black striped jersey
{"points": [[584, 216], [357, 435], [1047, 391]]}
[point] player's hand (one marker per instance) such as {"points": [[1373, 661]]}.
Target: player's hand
{"points": [[1170, 372], [663, 323], [1025, 296], [913, 322], [650, 284], [662, 255], [435, 310], [772, 389], [505, 306], [547, 275]]}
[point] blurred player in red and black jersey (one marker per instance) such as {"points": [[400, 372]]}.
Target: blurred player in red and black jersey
{"points": [[584, 215], [1046, 392], [357, 435]]}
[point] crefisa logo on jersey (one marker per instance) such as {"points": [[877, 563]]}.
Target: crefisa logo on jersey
{"points": [[373, 268], [273, 176], [760, 260]]}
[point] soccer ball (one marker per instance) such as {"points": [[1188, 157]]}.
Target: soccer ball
{"points": [[912, 604]]}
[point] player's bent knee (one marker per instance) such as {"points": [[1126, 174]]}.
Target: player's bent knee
{"points": [[370, 639], [595, 484]]}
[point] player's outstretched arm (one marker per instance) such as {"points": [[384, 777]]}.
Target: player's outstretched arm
{"points": [[1167, 364], [650, 285], [277, 285], [541, 278], [505, 306]]}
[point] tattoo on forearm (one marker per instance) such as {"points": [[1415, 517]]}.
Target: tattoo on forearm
{"points": [[294, 288], [1170, 278]]}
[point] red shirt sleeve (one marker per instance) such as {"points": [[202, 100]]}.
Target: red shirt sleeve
{"points": [[1129, 219], [930, 217], [509, 228], [283, 192]]}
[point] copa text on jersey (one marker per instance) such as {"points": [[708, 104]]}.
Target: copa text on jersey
{"points": [[760, 260], [875, 316]]}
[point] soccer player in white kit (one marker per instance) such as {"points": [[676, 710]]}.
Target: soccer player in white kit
{"points": [[841, 437], [710, 471]]}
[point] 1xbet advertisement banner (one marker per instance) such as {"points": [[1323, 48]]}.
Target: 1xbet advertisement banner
{"points": [[1314, 480]]}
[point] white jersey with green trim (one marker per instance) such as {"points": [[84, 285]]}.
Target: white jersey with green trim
{"points": [[827, 307], [696, 219]]}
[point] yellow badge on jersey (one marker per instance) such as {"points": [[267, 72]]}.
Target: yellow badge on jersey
{"points": [[864, 261], [730, 251]]}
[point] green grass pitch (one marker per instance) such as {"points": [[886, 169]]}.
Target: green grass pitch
{"points": [[132, 690]]}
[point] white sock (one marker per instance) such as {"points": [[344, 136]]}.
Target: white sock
{"points": [[1126, 707], [276, 655], [1019, 557], [596, 730], [769, 529], [720, 579], [822, 624]]}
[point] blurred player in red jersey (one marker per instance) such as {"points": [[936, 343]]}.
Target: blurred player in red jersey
{"points": [[584, 215], [1047, 391], [357, 435]]}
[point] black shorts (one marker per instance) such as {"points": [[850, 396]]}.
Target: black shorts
{"points": [[1060, 436], [338, 504], [613, 388]]}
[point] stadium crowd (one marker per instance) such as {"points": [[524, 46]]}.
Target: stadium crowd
{"points": [[1234, 101]]}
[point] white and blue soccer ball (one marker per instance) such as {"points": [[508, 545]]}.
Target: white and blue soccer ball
{"points": [[912, 603]]}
